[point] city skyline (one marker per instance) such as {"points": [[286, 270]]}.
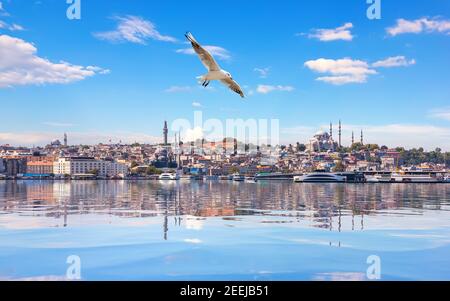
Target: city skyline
{"points": [[123, 69]]}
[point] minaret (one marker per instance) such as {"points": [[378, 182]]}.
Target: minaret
{"points": [[65, 139], [165, 132], [353, 138], [362, 137], [340, 134], [331, 129]]}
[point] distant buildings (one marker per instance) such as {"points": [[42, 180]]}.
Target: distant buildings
{"points": [[86, 165]]}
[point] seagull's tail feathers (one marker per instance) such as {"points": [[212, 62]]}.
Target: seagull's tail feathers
{"points": [[201, 79]]}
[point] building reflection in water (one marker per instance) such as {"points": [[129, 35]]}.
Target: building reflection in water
{"points": [[323, 205]]}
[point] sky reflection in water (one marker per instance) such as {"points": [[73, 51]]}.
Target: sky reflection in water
{"points": [[223, 230]]}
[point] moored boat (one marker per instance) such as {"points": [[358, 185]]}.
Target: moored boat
{"points": [[168, 176], [251, 180], [320, 177], [238, 178], [383, 178], [406, 178]]}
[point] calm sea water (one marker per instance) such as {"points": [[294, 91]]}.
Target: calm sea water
{"points": [[129, 230]]}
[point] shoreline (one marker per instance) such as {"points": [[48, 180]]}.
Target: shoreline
{"points": [[208, 181]]}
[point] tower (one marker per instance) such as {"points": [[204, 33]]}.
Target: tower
{"points": [[362, 137], [165, 132], [331, 129], [340, 134], [65, 139], [353, 138]]}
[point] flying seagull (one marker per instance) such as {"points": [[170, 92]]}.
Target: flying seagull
{"points": [[214, 70]]}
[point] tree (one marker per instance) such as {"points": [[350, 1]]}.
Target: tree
{"points": [[152, 170], [94, 172], [372, 147], [301, 147], [234, 170], [339, 167], [357, 147]]}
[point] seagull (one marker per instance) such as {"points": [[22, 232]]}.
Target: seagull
{"points": [[214, 70]]}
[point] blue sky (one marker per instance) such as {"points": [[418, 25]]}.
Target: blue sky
{"points": [[122, 70]]}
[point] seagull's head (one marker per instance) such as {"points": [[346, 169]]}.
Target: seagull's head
{"points": [[228, 74]]}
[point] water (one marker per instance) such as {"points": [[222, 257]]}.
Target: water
{"points": [[129, 230]]}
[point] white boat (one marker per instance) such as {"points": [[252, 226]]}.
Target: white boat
{"points": [[384, 178], [404, 178], [238, 178], [447, 179], [320, 177], [169, 176], [251, 180]]}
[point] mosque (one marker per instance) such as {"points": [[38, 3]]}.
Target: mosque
{"points": [[323, 141]]}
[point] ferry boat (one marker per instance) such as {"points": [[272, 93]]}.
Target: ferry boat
{"points": [[211, 178], [168, 176], [320, 177], [226, 178], [251, 180], [404, 178], [276, 176], [238, 178], [384, 178]]}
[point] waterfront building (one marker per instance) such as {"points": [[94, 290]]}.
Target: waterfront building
{"points": [[86, 165], [13, 166], [40, 165]]}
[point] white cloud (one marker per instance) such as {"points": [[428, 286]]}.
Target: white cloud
{"points": [[177, 89], [193, 134], [263, 72], [3, 12], [442, 113], [7, 26], [342, 71], [265, 89], [219, 52], [75, 138], [396, 61], [193, 241], [196, 104], [392, 135], [326, 35], [419, 25], [10, 27], [133, 29], [58, 124], [19, 65]]}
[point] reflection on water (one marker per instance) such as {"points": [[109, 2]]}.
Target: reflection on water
{"points": [[323, 205], [354, 217]]}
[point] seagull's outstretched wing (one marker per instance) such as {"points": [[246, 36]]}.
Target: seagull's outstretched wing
{"points": [[233, 86], [206, 58]]}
